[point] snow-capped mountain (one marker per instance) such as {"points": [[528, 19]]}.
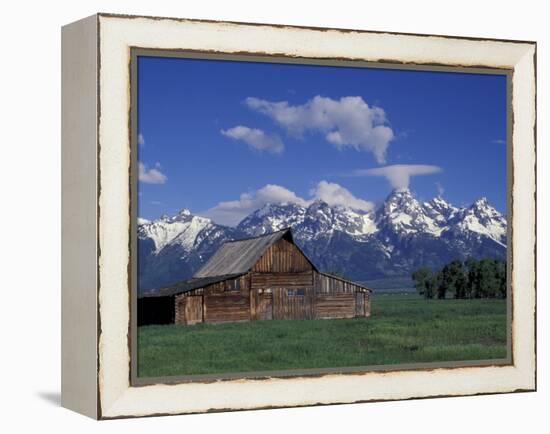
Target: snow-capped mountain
{"points": [[272, 218], [173, 248], [402, 214], [480, 218], [317, 220], [400, 235], [182, 229]]}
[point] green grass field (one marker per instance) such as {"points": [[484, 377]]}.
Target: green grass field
{"points": [[402, 329]]}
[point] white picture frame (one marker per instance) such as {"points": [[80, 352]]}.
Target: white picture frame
{"points": [[96, 140]]}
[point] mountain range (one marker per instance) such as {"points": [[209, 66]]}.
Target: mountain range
{"points": [[391, 241]]}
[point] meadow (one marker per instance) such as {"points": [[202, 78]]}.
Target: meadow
{"points": [[403, 328]]}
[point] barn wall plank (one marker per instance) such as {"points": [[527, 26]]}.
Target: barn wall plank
{"points": [[229, 300], [282, 257], [330, 285], [282, 285], [335, 305], [283, 280]]}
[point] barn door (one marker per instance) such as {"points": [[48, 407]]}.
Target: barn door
{"points": [[261, 304], [193, 309], [266, 306], [295, 303], [359, 304]]}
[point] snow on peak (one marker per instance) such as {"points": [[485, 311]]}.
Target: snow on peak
{"points": [[184, 212], [400, 214], [439, 210], [482, 201], [482, 218], [402, 190], [439, 202], [272, 217], [182, 228], [403, 214]]}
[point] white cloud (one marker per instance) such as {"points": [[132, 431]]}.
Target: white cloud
{"points": [[399, 175], [255, 138], [232, 212], [347, 122], [335, 194], [440, 189], [152, 175], [141, 140]]}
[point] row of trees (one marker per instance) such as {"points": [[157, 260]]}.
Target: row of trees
{"points": [[484, 278]]}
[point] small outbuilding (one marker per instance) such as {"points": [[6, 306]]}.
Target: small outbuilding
{"points": [[261, 278]]}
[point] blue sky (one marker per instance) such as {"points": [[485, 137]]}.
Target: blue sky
{"points": [[223, 137]]}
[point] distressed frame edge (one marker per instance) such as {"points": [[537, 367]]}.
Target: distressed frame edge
{"points": [[79, 126], [528, 388], [304, 27]]}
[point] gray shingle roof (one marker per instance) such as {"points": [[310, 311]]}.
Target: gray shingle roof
{"points": [[351, 282], [238, 257], [186, 286]]}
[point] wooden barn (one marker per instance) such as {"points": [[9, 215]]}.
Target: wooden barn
{"points": [[262, 278]]}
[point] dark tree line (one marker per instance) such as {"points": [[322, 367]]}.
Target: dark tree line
{"points": [[483, 278]]}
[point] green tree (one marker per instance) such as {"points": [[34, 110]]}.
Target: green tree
{"points": [[484, 278], [502, 279], [475, 278], [424, 282], [449, 280], [453, 274]]}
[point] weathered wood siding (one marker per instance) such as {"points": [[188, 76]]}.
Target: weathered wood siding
{"points": [[226, 307], [188, 309], [261, 304], [288, 305], [282, 280], [282, 257], [193, 309], [228, 300], [331, 284], [368, 302], [335, 305], [359, 304], [282, 285]]}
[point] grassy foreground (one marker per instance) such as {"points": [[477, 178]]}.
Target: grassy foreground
{"points": [[402, 329]]}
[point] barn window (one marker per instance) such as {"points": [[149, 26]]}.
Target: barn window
{"points": [[297, 292], [233, 285]]}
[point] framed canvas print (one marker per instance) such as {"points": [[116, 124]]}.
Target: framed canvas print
{"points": [[260, 216]]}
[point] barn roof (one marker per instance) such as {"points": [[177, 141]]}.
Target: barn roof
{"points": [[351, 282], [238, 257], [187, 285]]}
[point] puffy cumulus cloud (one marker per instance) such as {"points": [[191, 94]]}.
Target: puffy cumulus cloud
{"points": [[334, 194], [345, 122], [399, 175], [255, 138], [152, 175], [231, 212]]}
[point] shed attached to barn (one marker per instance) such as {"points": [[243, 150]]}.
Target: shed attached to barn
{"points": [[261, 278]]}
